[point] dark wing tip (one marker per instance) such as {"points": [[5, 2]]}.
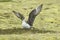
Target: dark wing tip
{"points": [[38, 9], [14, 11], [41, 5]]}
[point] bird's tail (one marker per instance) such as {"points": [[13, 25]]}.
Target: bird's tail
{"points": [[19, 15]]}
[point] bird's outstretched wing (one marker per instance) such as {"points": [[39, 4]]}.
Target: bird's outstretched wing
{"points": [[19, 15], [33, 14]]}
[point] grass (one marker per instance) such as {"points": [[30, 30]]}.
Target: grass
{"points": [[47, 23]]}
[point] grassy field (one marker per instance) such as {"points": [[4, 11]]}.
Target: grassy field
{"points": [[47, 23]]}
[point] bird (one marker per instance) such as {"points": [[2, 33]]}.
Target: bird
{"points": [[32, 15]]}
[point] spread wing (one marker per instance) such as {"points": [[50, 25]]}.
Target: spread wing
{"points": [[19, 15], [33, 14]]}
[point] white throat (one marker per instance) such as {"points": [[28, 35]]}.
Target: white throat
{"points": [[25, 24]]}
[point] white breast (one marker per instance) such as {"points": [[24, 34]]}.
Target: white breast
{"points": [[25, 25]]}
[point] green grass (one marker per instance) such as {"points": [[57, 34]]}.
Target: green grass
{"points": [[47, 23], [5, 0]]}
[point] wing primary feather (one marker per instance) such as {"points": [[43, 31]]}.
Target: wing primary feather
{"points": [[33, 14], [19, 15]]}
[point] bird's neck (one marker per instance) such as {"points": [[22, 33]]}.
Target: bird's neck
{"points": [[24, 21], [25, 24]]}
